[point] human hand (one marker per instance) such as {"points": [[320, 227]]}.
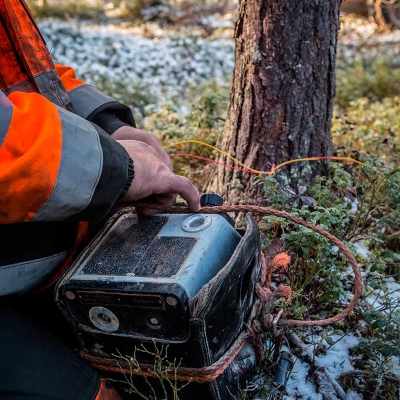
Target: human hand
{"points": [[154, 180], [130, 133]]}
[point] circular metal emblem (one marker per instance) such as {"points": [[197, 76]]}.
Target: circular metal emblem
{"points": [[103, 319], [196, 223]]}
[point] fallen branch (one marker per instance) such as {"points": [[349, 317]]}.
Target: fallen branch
{"points": [[368, 373]]}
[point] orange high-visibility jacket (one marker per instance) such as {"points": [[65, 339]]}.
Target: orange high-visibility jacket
{"points": [[56, 167]]}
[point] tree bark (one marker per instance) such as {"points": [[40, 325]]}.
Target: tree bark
{"points": [[282, 93]]}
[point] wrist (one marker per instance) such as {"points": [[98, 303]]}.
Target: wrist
{"points": [[109, 122]]}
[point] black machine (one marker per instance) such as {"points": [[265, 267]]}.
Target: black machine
{"points": [[182, 280]]}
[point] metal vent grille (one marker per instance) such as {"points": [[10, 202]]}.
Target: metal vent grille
{"points": [[133, 248]]}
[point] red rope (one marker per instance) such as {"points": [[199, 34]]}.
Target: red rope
{"points": [[214, 162]]}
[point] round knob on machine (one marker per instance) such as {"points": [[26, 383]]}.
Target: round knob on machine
{"points": [[210, 200]]}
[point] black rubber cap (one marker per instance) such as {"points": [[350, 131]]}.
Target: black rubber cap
{"points": [[210, 200]]}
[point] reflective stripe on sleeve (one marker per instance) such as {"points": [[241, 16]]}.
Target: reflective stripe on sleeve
{"points": [[26, 276], [86, 99], [5, 116], [79, 172]]}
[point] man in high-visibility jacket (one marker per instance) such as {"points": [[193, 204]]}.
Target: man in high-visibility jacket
{"points": [[68, 153]]}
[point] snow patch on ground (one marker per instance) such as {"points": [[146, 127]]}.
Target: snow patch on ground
{"points": [[122, 61], [396, 365], [335, 362], [393, 288], [376, 299], [362, 249], [298, 386]]}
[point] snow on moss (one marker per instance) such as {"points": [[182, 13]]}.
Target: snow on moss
{"points": [[162, 68]]}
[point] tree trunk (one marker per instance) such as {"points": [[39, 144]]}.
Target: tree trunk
{"points": [[282, 93]]}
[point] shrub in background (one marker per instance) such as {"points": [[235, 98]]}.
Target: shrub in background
{"points": [[373, 79], [65, 9]]}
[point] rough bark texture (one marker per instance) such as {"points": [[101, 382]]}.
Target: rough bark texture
{"points": [[282, 92]]}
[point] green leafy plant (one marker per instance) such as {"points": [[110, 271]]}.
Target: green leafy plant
{"points": [[384, 323], [374, 79], [369, 130], [361, 206]]}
